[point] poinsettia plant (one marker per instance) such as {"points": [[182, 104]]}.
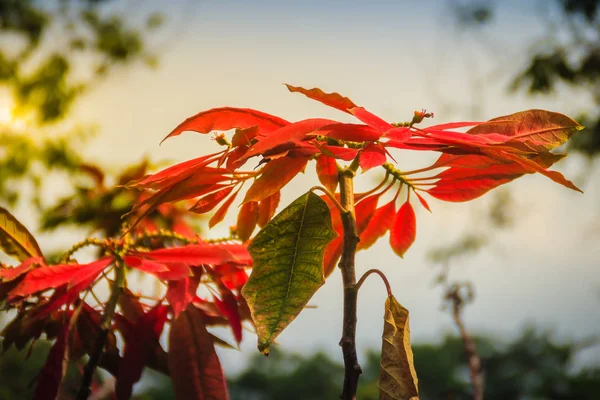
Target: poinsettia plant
{"points": [[290, 256]]}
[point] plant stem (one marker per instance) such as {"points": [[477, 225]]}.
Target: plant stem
{"points": [[348, 341], [381, 275], [105, 325]]}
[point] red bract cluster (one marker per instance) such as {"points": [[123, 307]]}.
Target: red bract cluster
{"points": [[487, 155], [44, 293]]}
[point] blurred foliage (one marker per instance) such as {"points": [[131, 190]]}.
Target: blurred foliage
{"points": [[41, 40], [532, 366], [51, 52], [567, 53]]}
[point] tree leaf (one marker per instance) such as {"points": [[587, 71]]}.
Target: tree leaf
{"points": [[10, 274], [267, 208], [350, 132], [15, 239], [54, 369], [398, 378], [531, 130], [372, 156], [193, 363], [381, 222], [274, 176], [285, 138], [371, 119], [139, 343], [327, 172], [246, 220], [226, 118], [56, 275], [404, 229], [334, 100], [287, 255], [228, 306], [181, 292], [210, 201]]}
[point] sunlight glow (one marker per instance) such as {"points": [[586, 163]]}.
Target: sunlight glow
{"points": [[8, 119]]}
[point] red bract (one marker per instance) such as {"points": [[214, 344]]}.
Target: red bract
{"points": [[403, 230], [225, 118], [49, 277], [54, 368], [138, 344]]}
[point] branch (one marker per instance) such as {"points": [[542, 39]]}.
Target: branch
{"points": [[475, 370], [105, 325], [348, 342]]}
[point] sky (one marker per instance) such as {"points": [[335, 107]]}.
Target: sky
{"points": [[393, 57]]}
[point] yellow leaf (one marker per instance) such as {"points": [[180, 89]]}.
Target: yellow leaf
{"points": [[397, 377], [15, 239]]}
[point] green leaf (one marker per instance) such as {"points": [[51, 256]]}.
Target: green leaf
{"points": [[15, 239], [398, 378], [287, 255]]}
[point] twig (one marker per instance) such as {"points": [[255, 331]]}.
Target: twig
{"points": [[383, 278], [475, 370], [348, 342], [105, 325], [331, 196]]}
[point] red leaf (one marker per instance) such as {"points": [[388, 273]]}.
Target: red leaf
{"points": [[198, 254], [210, 201], [193, 363], [400, 134], [165, 270], [267, 208], [274, 176], [149, 266], [226, 118], [453, 125], [181, 293], [243, 137], [404, 229], [343, 153], [285, 138], [350, 132], [372, 156], [364, 211], [63, 295], [334, 100], [173, 174], [372, 120], [233, 276], [465, 190], [422, 201], [327, 171], [222, 211], [9, 274], [130, 305], [56, 275], [378, 225], [139, 342], [54, 369], [228, 306], [532, 166], [246, 220]]}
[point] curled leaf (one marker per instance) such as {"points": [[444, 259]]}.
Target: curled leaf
{"points": [[15, 239], [397, 377]]}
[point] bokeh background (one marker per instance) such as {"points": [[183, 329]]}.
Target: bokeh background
{"points": [[102, 82]]}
